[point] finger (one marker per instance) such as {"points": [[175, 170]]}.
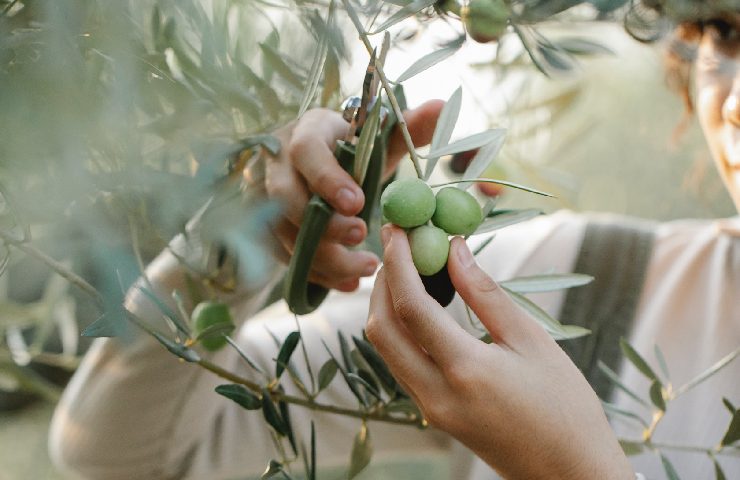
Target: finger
{"points": [[427, 321], [311, 152], [504, 320], [408, 362], [421, 123], [333, 263]]}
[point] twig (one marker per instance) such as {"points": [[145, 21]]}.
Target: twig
{"points": [[55, 265], [376, 415], [388, 89]]}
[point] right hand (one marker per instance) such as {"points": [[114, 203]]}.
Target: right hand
{"points": [[519, 403], [306, 165]]}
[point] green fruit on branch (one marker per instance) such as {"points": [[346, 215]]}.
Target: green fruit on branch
{"points": [[211, 320], [429, 249], [486, 20], [457, 212], [408, 202]]}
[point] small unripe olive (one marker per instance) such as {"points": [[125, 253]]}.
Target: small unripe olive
{"points": [[486, 20], [408, 202], [207, 314], [429, 249], [457, 212]]}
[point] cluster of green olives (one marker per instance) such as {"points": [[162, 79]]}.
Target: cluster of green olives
{"points": [[411, 204]]}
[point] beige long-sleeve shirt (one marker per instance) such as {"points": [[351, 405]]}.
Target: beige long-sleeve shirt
{"points": [[133, 411]]}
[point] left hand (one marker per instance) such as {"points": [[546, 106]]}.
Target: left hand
{"points": [[519, 403]]}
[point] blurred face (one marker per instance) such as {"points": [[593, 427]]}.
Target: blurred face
{"points": [[718, 97]]}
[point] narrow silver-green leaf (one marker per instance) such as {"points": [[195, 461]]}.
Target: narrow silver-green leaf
{"points": [[636, 359], [726, 360], [468, 182], [327, 373], [728, 405], [631, 448], [427, 61], [275, 60], [244, 356], [732, 434], [241, 395], [317, 66], [411, 9], [719, 474], [656, 395], [273, 468], [271, 414], [215, 331], [357, 379], [484, 158], [477, 140], [445, 126], [547, 283], [187, 354], [362, 451], [582, 46], [670, 470], [366, 142], [661, 362], [286, 351], [610, 408], [483, 245], [506, 219], [553, 327], [614, 378], [376, 363]]}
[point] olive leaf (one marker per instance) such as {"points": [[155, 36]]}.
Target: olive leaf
{"points": [[582, 46], [504, 218], [286, 351], [719, 474], [637, 360], [244, 356], [377, 364], [429, 60], [614, 378], [241, 395], [670, 470], [547, 283], [273, 468], [319, 61], [631, 448], [471, 142], [732, 434], [553, 327], [187, 354], [215, 331], [362, 451], [165, 310], [271, 414], [407, 11], [445, 126], [722, 363], [656, 395], [610, 408], [285, 415], [661, 362], [327, 373], [275, 60], [366, 142]]}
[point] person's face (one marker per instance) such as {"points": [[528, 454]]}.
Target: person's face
{"points": [[718, 97]]}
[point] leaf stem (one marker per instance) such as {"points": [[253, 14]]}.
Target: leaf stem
{"points": [[388, 90]]}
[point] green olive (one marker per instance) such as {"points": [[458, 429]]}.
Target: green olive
{"points": [[212, 316], [457, 212], [486, 20], [408, 202], [429, 249]]}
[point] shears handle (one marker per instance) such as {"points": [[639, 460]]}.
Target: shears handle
{"points": [[301, 295]]}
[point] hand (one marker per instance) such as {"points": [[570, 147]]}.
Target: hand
{"points": [[518, 403], [306, 165]]}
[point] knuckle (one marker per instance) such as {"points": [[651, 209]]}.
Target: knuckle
{"points": [[484, 283], [460, 375], [437, 413], [298, 147]]}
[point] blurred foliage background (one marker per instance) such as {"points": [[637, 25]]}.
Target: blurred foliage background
{"points": [[106, 144]]}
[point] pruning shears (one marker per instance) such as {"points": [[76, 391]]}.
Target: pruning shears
{"points": [[301, 295]]}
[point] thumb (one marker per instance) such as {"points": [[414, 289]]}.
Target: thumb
{"points": [[421, 123], [505, 320]]}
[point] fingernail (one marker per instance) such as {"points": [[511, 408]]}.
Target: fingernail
{"points": [[354, 236], [385, 234], [346, 198], [464, 255]]}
